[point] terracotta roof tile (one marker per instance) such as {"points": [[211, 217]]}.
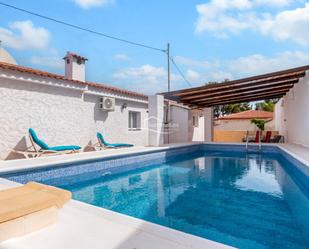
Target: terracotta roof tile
{"points": [[251, 114], [23, 69]]}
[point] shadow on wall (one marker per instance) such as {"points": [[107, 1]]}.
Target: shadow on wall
{"points": [[89, 146], [98, 115], [21, 145]]}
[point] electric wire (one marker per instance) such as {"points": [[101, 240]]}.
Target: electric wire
{"points": [[82, 28]]}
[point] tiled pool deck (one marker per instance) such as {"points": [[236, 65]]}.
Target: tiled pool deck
{"points": [[81, 225]]}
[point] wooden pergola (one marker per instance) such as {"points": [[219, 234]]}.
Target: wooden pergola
{"points": [[261, 87]]}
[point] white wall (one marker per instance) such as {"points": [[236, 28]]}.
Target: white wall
{"points": [[180, 119], [60, 116], [208, 124], [196, 133], [156, 119], [241, 125], [281, 124], [184, 130], [292, 115]]}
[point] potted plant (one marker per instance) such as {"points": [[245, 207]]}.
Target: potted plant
{"points": [[260, 124]]}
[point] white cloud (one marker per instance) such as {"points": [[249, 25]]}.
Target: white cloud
{"points": [[220, 15], [288, 25], [51, 61], [146, 78], [150, 79], [224, 17], [87, 4], [193, 76], [22, 35], [121, 57], [259, 64], [275, 3], [191, 62], [220, 75], [220, 70]]}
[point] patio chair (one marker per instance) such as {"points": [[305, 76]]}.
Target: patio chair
{"points": [[44, 149], [277, 139], [267, 137], [253, 139], [102, 144]]}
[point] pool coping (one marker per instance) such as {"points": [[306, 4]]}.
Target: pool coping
{"points": [[184, 240], [11, 166], [60, 160]]}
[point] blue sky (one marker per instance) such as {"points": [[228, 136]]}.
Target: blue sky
{"points": [[210, 40]]}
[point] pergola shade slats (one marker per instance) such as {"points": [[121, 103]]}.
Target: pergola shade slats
{"points": [[237, 101], [241, 94], [267, 86], [268, 95], [249, 88], [253, 97]]}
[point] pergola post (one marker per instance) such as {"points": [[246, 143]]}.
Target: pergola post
{"points": [[208, 124], [155, 120]]}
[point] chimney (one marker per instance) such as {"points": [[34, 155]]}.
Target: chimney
{"points": [[75, 66]]}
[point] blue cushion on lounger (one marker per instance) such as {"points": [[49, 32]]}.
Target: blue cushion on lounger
{"points": [[100, 137], [66, 147], [38, 141], [120, 145]]}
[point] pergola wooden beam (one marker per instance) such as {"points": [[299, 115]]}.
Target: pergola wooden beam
{"points": [[267, 86], [244, 93], [281, 75], [228, 86], [234, 101], [248, 100], [253, 97], [254, 88]]}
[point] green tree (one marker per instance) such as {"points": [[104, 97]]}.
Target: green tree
{"points": [[260, 123], [267, 105], [222, 110]]}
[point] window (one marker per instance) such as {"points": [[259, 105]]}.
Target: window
{"points": [[195, 120], [134, 120]]}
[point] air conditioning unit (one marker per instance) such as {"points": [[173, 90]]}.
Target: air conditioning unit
{"points": [[107, 104]]}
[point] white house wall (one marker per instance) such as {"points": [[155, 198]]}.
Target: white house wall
{"points": [[61, 115], [196, 133], [292, 115], [179, 118], [281, 118], [241, 125], [182, 119]]}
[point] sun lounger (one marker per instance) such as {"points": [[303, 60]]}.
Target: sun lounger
{"points": [[102, 144], [28, 208], [44, 149]]}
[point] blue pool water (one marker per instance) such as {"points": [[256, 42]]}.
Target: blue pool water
{"points": [[243, 200]]}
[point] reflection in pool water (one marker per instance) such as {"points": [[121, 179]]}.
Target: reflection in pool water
{"points": [[246, 202]]}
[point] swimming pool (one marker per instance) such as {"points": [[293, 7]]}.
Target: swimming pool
{"points": [[246, 200]]}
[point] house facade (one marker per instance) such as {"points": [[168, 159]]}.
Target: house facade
{"points": [[65, 109], [68, 109], [291, 113]]}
